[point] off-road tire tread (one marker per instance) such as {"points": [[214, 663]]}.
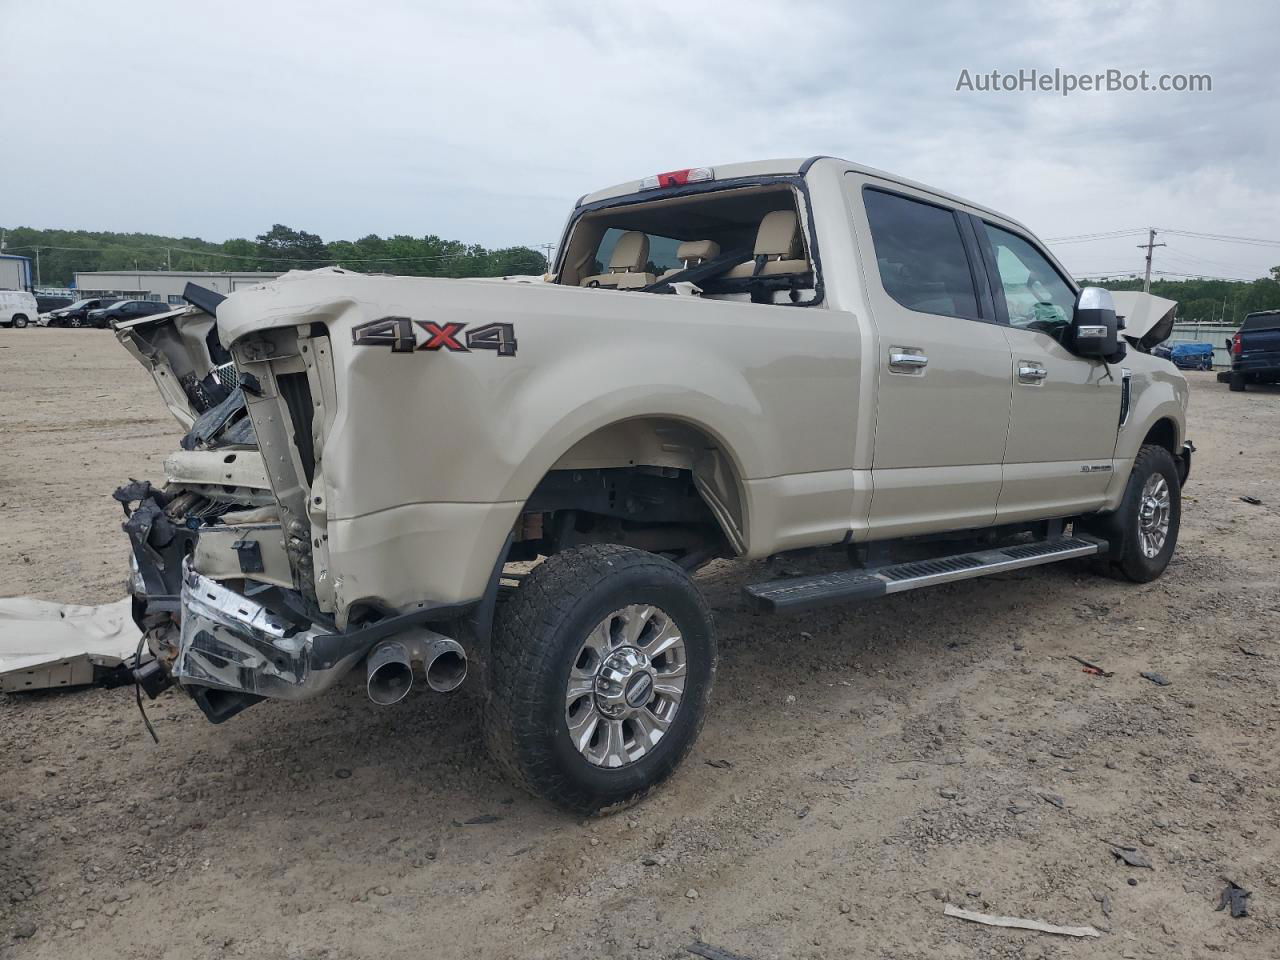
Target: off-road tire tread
{"points": [[543, 601]]}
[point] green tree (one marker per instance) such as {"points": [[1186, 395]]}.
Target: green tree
{"points": [[283, 248]]}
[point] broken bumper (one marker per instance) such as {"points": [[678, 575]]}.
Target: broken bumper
{"points": [[230, 644], [233, 651]]}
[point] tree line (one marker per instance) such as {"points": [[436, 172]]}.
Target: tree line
{"points": [[63, 252], [1228, 301]]}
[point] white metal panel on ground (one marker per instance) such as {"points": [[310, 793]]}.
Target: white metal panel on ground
{"points": [[44, 644]]}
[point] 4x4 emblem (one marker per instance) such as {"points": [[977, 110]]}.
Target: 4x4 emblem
{"points": [[401, 335]]}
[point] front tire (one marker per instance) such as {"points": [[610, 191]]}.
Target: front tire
{"points": [[1143, 532], [19, 322], [601, 668]]}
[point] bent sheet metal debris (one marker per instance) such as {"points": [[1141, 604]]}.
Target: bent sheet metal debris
{"points": [[44, 644]]}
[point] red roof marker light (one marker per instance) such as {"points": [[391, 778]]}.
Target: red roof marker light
{"points": [[677, 178]]}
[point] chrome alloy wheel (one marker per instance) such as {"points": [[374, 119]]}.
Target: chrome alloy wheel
{"points": [[625, 685], [1153, 515]]}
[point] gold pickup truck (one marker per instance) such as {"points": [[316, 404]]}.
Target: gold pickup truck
{"points": [[410, 476]]}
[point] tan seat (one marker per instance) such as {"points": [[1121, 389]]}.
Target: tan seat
{"points": [[778, 250], [626, 264], [694, 252]]}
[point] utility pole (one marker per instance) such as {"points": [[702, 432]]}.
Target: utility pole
{"points": [[1150, 246], [38, 267], [548, 247], [168, 263]]}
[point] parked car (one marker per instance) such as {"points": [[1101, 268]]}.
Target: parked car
{"points": [[1187, 354], [741, 362], [17, 308], [1255, 351], [77, 315], [47, 304], [125, 310]]}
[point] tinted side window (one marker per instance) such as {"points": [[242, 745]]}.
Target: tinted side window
{"points": [[1037, 296], [921, 256]]}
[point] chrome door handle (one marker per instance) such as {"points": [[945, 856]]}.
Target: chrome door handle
{"points": [[1031, 373], [913, 360]]}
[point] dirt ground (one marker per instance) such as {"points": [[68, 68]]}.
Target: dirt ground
{"points": [[859, 768]]}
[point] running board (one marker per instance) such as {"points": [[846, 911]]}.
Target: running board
{"points": [[796, 594]]}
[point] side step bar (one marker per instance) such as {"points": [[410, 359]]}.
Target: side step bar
{"points": [[796, 594]]}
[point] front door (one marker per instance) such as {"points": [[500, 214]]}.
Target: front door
{"points": [[1066, 409], [943, 368]]}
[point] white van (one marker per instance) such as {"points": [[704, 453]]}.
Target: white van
{"points": [[17, 308]]}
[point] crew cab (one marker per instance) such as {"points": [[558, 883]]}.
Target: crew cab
{"points": [[1255, 350], [407, 475]]}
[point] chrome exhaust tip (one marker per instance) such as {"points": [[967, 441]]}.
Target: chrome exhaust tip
{"points": [[390, 673], [445, 663]]}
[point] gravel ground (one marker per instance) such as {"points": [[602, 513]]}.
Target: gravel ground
{"points": [[859, 768]]}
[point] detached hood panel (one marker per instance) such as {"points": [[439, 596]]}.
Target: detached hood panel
{"points": [[1148, 319]]}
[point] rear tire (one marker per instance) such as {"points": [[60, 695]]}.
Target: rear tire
{"points": [[1143, 532], [1236, 383], [75, 322], [570, 716]]}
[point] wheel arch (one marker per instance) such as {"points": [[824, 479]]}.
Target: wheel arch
{"points": [[666, 441], [1164, 433]]}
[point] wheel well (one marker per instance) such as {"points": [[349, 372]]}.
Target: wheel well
{"points": [[1164, 434], [655, 483]]}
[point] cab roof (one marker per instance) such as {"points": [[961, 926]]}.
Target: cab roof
{"points": [[793, 166]]}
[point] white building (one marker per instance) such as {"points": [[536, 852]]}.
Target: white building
{"points": [[163, 285], [15, 272]]}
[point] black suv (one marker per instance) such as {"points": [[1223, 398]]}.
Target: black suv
{"points": [[126, 310], [77, 315]]}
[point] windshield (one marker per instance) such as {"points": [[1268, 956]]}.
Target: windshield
{"points": [[82, 303]]}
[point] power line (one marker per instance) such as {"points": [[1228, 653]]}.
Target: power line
{"points": [[1199, 235], [1087, 237], [1225, 238]]}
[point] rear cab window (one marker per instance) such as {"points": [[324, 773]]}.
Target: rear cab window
{"points": [[1261, 321], [746, 242]]}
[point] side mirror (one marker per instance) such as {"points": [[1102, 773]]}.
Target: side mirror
{"points": [[1094, 331]]}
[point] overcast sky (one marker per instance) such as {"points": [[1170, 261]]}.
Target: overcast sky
{"points": [[484, 122]]}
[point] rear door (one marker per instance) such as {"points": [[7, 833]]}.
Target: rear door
{"points": [[1066, 408], [943, 364]]}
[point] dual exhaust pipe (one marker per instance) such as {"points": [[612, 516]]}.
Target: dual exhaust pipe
{"points": [[391, 665]]}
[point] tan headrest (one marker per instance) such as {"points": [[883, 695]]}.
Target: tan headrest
{"points": [[630, 253], [779, 236], [697, 250]]}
